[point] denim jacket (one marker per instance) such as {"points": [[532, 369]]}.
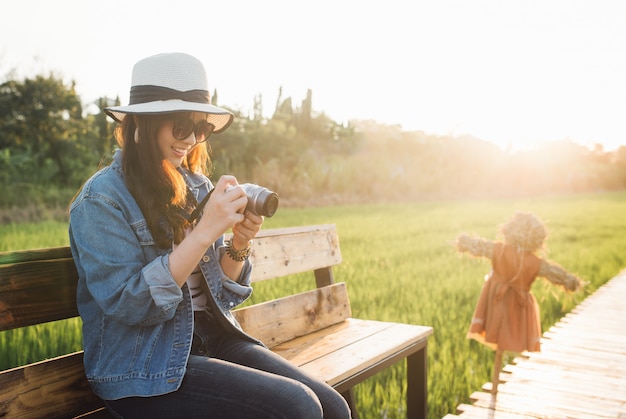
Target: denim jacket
{"points": [[137, 322]]}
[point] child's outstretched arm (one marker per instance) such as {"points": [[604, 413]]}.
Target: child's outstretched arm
{"points": [[559, 276], [475, 246]]}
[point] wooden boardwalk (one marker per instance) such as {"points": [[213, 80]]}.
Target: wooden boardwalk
{"points": [[579, 373]]}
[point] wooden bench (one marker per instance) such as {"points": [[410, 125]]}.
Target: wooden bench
{"points": [[313, 329]]}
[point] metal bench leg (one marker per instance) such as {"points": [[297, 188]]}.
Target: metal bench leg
{"points": [[349, 396], [417, 385]]}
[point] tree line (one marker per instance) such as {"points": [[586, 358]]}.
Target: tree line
{"points": [[49, 145]]}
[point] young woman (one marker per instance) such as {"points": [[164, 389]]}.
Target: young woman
{"points": [[157, 281]]}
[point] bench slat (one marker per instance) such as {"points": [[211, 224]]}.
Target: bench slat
{"points": [[353, 346], [285, 251], [283, 319], [32, 255], [301, 351], [37, 292], [55, 388]]}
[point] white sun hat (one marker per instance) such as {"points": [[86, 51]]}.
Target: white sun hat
{"points": [[171, 82]]}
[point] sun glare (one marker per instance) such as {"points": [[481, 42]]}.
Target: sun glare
{"points": [[512, 73]]}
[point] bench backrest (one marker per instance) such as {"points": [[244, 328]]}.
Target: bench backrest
{"points": [[38, 286]]}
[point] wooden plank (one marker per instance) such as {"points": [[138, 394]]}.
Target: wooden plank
{"points": [[590, 322], [281, 252], [608, 365], [37, 292], [538, 407], [277, 321], [585, 342], [554, 352], [561, 377], [375, 353], [56, 388], [573, 333], [20, 256], [476, 412], [591, 392], [319, 344], [340, 352]]}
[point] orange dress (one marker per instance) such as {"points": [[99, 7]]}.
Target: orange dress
{"points": [[507, 314]]}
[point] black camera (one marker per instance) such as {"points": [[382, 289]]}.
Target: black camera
{"points": [[261, 201]]}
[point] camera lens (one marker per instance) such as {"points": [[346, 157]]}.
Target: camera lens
{"points": [[261, 201], [269, 201]]}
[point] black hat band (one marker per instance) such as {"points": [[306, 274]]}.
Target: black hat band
{"points": [[145, 94]]}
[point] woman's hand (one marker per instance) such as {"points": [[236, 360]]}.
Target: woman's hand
{"points": [[223, 211], [224, 208], [246, 230]]}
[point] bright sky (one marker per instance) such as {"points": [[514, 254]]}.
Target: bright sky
{"points": [[510, 72]]}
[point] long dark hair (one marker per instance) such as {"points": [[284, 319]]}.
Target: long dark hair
{"points": [[157, 186]]}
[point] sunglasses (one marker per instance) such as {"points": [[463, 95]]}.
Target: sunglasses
{"points": [[183, 127]]}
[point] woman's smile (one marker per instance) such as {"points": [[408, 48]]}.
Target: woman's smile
{"points": [[180, 151]]}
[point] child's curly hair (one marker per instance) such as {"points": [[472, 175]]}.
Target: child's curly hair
{"points": [[524, 231]]}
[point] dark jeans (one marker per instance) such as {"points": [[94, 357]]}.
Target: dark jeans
{"points": [[230, 377]]}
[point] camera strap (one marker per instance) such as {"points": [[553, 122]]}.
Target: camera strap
{"points": [[198, 211]]}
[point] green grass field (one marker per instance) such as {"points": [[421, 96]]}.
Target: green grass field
{"points": [[399, 265]]}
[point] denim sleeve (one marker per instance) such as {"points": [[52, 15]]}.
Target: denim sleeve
{"points": [[246, 270], [122, 269], [228, 292]]}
